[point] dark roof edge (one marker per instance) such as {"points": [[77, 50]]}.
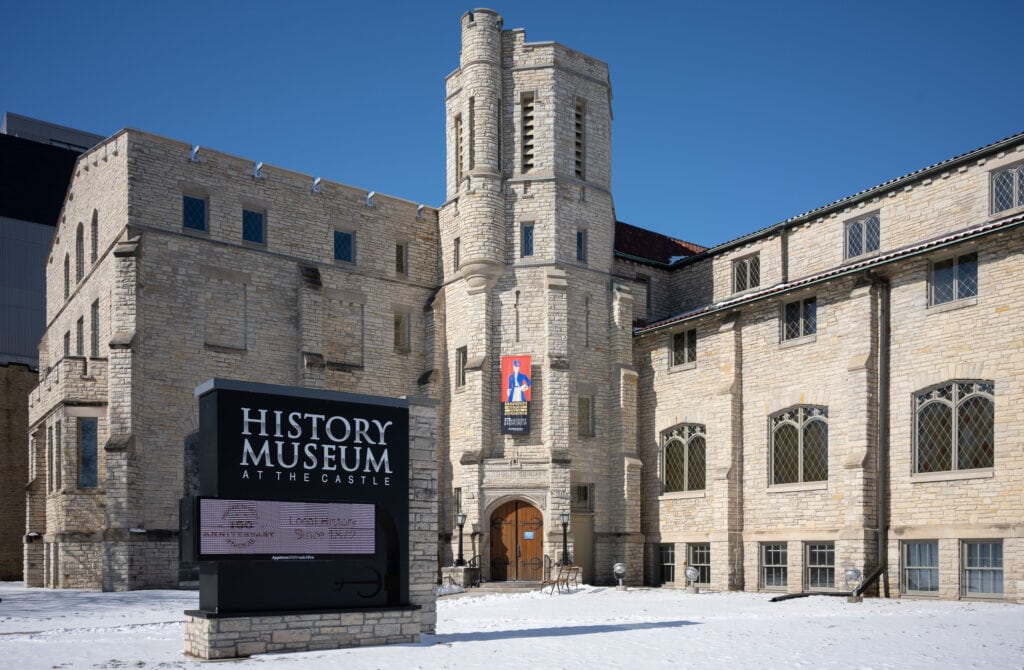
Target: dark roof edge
{"points": [[856, 197], [645, 261], [983, 230]]}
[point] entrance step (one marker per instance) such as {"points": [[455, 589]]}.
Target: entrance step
{"points": [[505, 587]]}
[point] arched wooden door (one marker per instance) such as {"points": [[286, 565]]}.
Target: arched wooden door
{"points": [[517, 543]]}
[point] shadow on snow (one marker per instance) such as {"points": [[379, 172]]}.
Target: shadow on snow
{"points": [[558, 631]]}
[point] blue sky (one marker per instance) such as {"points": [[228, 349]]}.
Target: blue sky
{"points": [[729, 117]]}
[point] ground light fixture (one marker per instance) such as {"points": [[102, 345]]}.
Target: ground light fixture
{"points": [[619, 571], [692, 574], [565, 538], [460, 520], [852, 576]]}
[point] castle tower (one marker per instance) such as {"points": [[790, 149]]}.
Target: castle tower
{"points": [[527, 231]]}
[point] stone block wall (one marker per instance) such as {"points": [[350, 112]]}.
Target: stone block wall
{"points": [[15, 383], [215, 638]]}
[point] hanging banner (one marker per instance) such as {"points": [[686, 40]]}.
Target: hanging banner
{"points": [[515, 395]]}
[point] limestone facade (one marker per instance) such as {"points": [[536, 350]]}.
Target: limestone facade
{"points": [[812, 438], [886, 339]]}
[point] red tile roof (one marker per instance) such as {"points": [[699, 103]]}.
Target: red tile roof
{"points": [[652, 246]]}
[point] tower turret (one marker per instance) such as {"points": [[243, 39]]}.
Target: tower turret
{"points": [[474, 145]]}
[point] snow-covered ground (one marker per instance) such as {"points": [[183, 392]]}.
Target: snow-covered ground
{"points": [[593, 627]]}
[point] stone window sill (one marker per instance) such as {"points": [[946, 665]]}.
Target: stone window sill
{"points": [[797, 341], [953, 304], [862, 257], [1002, 214], [953, 475], [692, 365], [682, 495], [799, 486]]}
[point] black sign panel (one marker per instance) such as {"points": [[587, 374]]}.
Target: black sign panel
{"points": [[515, 418], [304, 499]]}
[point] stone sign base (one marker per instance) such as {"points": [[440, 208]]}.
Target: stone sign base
{"points": [[217, 636]]}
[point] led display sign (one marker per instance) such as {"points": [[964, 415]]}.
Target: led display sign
{"points": [[284, 530]]}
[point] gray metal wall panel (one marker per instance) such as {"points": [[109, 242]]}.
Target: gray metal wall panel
{"points": [[24, 247]]}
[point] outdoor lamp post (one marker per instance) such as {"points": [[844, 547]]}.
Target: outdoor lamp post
{"points": [[460, 519], [565, 539]]}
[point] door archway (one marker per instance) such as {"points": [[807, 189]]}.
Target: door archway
{"points": [[517, 543]]}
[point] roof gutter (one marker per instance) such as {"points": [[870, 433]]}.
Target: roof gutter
{"points": [[853, 269], [906, 179]]}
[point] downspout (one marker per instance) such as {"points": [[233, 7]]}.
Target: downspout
{"points": [[882, 461]]}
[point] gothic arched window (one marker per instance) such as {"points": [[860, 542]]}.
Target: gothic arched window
{"points": [[684, 457], [799, 445], [954, 426]]}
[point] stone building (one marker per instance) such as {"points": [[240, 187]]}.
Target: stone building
{"points": [[814, 396], [36, 160]]}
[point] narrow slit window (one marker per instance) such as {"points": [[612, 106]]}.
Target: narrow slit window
{"points": [[472, 133], [526, 246], [94, 348], [458, 149], [88, 464]]}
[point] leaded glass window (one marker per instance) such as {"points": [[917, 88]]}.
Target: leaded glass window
{"points": [[921, 567], [800, 319], [982, 568], [746, 273], [799, 445], [954, 279], [955, 427], [345, 246], [685, 458], [1008, 188], [87, 454], [863, 235], [774, 565], [193, 213], [684, 347], [820, 565], [253, 227], [526, 248]]}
